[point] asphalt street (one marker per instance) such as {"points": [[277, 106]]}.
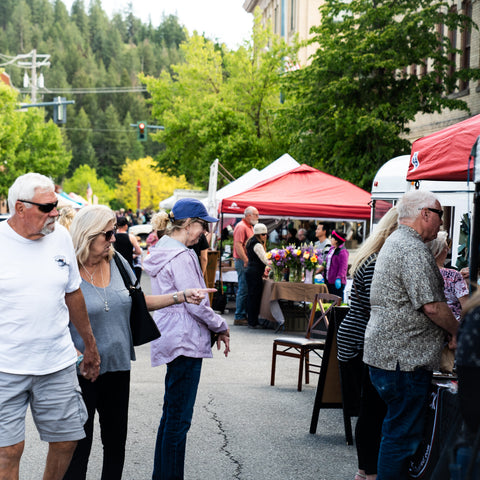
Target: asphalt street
{"points": [[242, 429]]}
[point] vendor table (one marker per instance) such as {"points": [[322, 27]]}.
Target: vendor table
{"points": [[275, 291], [229, 275]]}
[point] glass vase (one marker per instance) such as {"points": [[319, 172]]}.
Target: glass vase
{"points": [[308, 276], [295, 273], [277, 274]]}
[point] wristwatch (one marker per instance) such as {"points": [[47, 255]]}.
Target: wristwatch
{"points": [[175, 298]]}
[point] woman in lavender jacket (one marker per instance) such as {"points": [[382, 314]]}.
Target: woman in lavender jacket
{"points": [[185, 329], [336, 265]]}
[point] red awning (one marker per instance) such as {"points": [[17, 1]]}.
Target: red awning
{"points": [[302, 192], [444, 155]]}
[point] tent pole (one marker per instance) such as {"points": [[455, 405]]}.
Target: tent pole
{"points": [[221, 248]]}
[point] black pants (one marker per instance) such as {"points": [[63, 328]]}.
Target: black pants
{"points": [[109, 396], [364, 398], [254, 279]]}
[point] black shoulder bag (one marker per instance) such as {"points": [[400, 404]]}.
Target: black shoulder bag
{"points": [[143, 327]]}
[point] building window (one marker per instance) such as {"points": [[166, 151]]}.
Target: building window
{"points": [[466, 43], [276, 20], [452, 36], [293, 19]]}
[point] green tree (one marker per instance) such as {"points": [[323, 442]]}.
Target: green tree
{"points": [[12, 130], [81, 137], [84, 176], [27, 143], [42, 148], [110, 142], [356, 99], [220, 104]]}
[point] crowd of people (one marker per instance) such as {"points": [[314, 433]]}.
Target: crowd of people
{"points": [[73, 360]]}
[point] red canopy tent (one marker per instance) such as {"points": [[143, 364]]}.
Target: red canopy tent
{"points": [[444, 155], [303, 192]]}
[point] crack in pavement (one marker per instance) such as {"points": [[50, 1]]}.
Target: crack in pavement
{"points": [[223, 434]]}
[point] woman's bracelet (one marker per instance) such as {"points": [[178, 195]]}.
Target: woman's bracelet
{"points": [[185, 296]]}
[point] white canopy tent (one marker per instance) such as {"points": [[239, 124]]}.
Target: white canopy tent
{"points": [[179, 193], [282, 164]]}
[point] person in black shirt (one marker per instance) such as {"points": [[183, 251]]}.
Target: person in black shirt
{"points": [[201, 249], [257, 261], [125, 243]]}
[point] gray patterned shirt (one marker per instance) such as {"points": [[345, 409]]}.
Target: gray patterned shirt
{"points": [[406, 278]]}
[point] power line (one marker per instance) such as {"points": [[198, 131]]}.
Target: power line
{"points": [[78, 91]]}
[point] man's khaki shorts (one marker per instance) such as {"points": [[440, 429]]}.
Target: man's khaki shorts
{"points": [[55, 401]]}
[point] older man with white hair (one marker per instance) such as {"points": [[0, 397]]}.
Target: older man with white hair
{"points": [[409, 322], [40, 286]]}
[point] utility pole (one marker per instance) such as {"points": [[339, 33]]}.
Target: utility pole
{"points": [[30, 61]]}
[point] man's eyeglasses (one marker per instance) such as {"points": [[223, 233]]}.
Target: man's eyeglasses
{"points": [[109, 234], [43, 207], [435, 210]]}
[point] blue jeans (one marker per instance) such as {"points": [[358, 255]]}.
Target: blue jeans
{"points": [[181, 383], [406, 396], [242, 291]]}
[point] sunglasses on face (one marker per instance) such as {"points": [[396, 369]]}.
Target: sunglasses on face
{"points": [[43, 207], [109, 234], [437, 211]]}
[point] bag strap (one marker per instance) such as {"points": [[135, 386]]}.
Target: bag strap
{"points": [[123, 272]]}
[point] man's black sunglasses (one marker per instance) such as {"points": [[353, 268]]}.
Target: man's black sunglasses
{"points": [[43, 207], [437, 211]]}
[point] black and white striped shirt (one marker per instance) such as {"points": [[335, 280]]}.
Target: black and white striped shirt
{"points": [[351, 333]]}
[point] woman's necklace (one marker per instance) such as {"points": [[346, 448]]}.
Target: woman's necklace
{"points": [[91, 275]]}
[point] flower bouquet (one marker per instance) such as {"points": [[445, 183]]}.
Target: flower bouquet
{"points": [[294, 262], [310, 261], [278, 258]]}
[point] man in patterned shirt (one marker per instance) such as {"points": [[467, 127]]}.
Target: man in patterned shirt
{"points": [[407, 328]]}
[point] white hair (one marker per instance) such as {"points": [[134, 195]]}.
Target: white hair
{"points": [[439, 244], [26, 186], [412, 202]]}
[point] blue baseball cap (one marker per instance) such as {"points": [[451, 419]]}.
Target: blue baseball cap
{"points": [[191, 208]]}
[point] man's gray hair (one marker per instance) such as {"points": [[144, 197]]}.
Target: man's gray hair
{"points": [[412, 202], [249, 210], [26, 186]]}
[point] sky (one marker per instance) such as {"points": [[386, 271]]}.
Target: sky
{"points": [[222, 20]]}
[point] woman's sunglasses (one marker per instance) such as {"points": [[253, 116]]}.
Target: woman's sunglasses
{"points": [[109, 234], [43, 207]]}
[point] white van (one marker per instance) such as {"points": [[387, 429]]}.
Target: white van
{"points": [[390, 183]]}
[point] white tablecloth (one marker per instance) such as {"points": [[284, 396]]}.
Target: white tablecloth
{"points": [[229, 276]]}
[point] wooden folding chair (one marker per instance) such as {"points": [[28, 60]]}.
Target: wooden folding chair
{"points": [[313, 341]]}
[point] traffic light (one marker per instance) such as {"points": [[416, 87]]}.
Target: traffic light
{"points": [[142, 131]]}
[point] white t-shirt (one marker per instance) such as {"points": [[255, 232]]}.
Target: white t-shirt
{"points": [[34, 277]]}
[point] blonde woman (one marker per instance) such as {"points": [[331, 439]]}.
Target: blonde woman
{"points": [[186, 330], [65, 217], [108, 304], [350, 340]]}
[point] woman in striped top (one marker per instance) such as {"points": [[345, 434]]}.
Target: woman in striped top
{"points": [[350, 340]]}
